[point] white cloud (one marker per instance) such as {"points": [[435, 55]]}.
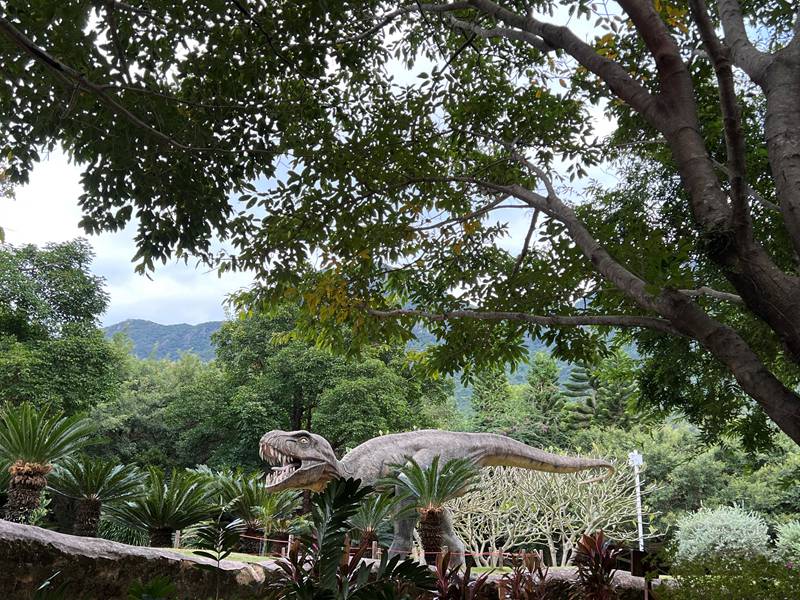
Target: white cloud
{"points": [[46, 210]]}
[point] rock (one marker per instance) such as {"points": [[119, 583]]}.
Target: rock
{"points": [[97, 569]]}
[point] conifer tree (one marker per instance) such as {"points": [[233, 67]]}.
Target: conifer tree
{"points": [[491, 397], [581, 390]]}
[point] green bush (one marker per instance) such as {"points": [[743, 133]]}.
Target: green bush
{"points": [[788, 545], [725, 532], [758, 578]]}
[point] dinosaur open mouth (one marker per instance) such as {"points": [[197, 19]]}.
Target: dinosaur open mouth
{"points": [[283, 465]]}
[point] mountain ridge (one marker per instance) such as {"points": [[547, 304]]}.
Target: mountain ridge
{"points": [[154, 340], [151, 339]]}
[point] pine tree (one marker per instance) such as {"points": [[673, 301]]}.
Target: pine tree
{"points": [[491, 399], [543, 404], [617, 389], [581, 390]]}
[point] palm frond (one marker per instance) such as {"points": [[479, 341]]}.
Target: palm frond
{"points": [[174, 503], [376, 511], [30, 435], [431, 487], [96, 479]]}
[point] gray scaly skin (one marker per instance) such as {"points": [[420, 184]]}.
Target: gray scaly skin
{"points": [[307, 461]]}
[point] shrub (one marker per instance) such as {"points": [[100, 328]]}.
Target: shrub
{"points": [[788, 545], [757, 578], [726, 532]]}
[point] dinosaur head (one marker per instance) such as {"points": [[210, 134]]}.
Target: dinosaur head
{"points": [[299, 459]]}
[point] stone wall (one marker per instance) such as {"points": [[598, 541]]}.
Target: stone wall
{"points": [[96, 569]]}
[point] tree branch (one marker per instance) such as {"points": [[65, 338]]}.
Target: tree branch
{"points": [[494, 205], [546, 320], [749, 189], [632, 285], [745, 55], [523, 253], [712, 293], [611, 72], [669, 63], [731, 113], [511, 34]]}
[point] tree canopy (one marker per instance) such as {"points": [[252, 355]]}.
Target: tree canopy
{"points": [[400, 139]]}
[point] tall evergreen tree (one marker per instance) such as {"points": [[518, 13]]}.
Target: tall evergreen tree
{"points": [[617, 390], [491, 399], [581, 389]]}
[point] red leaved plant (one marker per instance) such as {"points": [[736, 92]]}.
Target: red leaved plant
{"points": [[596, 559]]}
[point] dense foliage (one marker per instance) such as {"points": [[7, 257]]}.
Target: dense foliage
{"points": [[51, 348], [788, 543], [322, 568], [757, 578], [394, 146], [187, 412]]}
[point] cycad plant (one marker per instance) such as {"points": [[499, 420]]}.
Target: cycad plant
{"points": [[278, 511], [374, 513], [94, 482], [319, 567], [31, 440], [431, 488], [248, 499], [166, 506]]}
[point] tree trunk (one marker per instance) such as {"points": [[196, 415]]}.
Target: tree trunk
{"points": [[28, 481], [430, 533], [161, 538], [87, 518], [250, 542]]}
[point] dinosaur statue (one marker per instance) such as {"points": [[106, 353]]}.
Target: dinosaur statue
{"points": [[306, 461]]}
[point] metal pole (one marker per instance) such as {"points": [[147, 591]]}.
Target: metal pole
{"points": [[636, 460]]}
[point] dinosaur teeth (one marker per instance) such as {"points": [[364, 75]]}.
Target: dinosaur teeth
{"points": [[279, 474]]}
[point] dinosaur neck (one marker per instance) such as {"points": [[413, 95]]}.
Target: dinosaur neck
{"points": [[343, 470]]}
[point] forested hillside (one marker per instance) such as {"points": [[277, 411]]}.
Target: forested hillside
{"points": [[159, 341], [167, 341]]}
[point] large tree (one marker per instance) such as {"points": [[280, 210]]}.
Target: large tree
{"points": [[51, 347], [394, 181]]}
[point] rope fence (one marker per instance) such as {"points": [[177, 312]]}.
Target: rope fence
{"points": [[375, 550]]}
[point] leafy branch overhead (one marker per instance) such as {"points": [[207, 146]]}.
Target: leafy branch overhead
{"points": [[398, 146]]}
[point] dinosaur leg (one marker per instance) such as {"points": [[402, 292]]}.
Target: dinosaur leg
{"points": [[403, 540], [451, 540]]}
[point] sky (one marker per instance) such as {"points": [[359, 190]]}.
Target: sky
{"points": [[46, 210]]}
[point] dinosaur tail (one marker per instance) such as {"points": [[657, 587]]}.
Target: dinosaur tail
{"points": [[511, 453]]}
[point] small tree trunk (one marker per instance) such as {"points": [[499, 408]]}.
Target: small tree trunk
{"points": [[250, 542], [87, 518], [430, 533], [161, 538], [28, 481]]}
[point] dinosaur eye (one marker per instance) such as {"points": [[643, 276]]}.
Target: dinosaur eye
{"points": [[304, 440]]}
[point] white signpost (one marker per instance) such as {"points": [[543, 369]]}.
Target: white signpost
{"points": [[636, 460]]}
